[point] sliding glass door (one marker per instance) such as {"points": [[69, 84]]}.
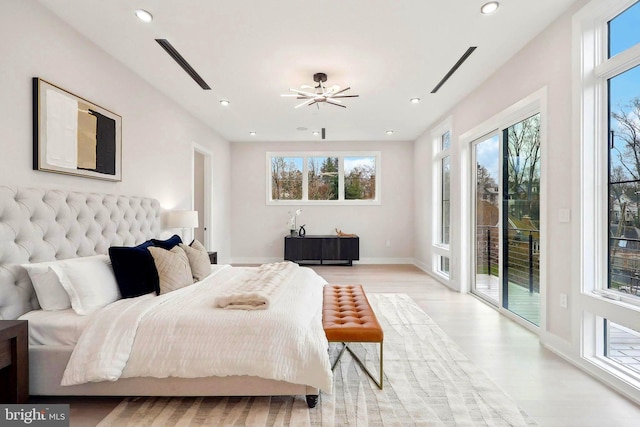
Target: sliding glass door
{"points": [[486, 152], [521, 219], [506, 235]]}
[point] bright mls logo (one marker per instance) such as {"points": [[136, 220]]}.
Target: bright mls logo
{"points": [[34, 415]]}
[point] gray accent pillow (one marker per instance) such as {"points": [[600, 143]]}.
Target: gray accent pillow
{"points": [[198, 259]]}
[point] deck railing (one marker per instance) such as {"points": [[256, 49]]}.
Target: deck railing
{"points": [[523, 267]]}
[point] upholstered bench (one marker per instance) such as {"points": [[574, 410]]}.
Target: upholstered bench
{"points": [[347, 317]]}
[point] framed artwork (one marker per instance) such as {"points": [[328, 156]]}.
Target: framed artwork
{"points": [[74, 136]]}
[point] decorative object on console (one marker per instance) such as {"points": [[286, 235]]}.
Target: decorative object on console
{"points": [[74, 136], [341, 234], [316, 95], [181, 219], [293, 229], [302, 232]]}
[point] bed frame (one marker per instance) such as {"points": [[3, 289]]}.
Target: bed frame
{"points": [[38, 225]]}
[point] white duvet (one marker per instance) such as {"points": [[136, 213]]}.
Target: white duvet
{"points": [[183, 334]]}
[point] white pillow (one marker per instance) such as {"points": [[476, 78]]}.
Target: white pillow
{"points": [[51, 295], [89, 281]]}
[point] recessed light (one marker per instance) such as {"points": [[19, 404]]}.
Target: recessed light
{"points": [[224, 102], [415, 100], [252, 133], [389, 132], [143, 15], [490, 7], [315, 133]]}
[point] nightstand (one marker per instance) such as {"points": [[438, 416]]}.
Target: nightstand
{"points": [[14, 361], [213, 257]]}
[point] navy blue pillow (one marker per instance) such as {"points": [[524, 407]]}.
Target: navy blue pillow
{"points": [[135, 270], [169, 243]]}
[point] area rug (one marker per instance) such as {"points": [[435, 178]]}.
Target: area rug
{"points": [[428, 381]]}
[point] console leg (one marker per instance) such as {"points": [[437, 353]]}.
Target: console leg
{"points": [[312, 400]]}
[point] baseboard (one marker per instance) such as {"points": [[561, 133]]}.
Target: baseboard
{"points": [[384, 261]]}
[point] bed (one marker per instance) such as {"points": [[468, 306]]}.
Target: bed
{"points": [[38, 225]]}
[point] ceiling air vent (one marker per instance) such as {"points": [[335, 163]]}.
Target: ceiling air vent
{"points": [[168, 47], [454, 68]]}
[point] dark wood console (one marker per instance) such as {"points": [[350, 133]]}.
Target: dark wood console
{"points": [[322, 249]]}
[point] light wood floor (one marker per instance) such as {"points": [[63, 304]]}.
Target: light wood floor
{"points": [[549, 389]]}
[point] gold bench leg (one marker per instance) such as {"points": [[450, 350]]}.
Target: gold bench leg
{"points": [[364, 368]]}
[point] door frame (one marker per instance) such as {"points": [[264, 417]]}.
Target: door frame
{"points": [[473, 226], [528, 106], [208, 188]]}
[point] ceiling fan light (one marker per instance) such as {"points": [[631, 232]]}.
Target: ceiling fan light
{"points": [[415, 100], [489, 8], [224, 102], [143, 15]]}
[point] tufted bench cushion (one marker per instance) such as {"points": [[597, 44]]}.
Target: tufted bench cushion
{"points": [[347, 317]]}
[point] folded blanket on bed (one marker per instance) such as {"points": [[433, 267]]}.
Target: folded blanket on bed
{"points": [[259, 290]]}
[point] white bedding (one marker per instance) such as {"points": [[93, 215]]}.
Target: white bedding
{"points": [[62, 327], [182, 334]]}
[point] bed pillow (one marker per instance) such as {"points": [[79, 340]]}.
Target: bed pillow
{"points": [[51, 295], [135, 270], [173, 268], [198, 259], [168, 244], [90, 283]]}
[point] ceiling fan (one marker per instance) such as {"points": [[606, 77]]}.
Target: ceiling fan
{"points": [[316, 95]]}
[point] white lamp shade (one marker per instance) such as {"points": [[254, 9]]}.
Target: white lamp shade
{"points": [[182, 219]]}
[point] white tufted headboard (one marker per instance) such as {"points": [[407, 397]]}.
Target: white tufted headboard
{"points": [[39, 225]]}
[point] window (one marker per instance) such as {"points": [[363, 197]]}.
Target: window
{"points": [[442, 198], [323, 178], [608, 64], [624, 152], [286, 178]]}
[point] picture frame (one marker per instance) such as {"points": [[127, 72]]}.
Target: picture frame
{"points": [[74, 136]]}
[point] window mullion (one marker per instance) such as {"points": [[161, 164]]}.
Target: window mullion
{"points": [[341, 178]]}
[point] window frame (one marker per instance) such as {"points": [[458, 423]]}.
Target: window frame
{"points": [[341, 155], [595, 302], [440, 249]]}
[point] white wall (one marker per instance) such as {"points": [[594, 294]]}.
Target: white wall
{"points": [[258, 229], [157, 135], [544, 62]]}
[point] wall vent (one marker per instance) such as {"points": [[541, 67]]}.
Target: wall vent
{"points": [[168, 47], [454, 68]]}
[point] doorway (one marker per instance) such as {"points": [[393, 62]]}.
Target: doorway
{"points": [[202, 189]]}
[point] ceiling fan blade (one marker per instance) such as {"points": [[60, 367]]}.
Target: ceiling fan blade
{"points": [[335, 103], [306, 102], [345, 96]]}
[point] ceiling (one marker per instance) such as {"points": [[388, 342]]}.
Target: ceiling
{"points": [[251, 51]]}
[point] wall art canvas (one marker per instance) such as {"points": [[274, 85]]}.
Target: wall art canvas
{"points": [[74, 136]]}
